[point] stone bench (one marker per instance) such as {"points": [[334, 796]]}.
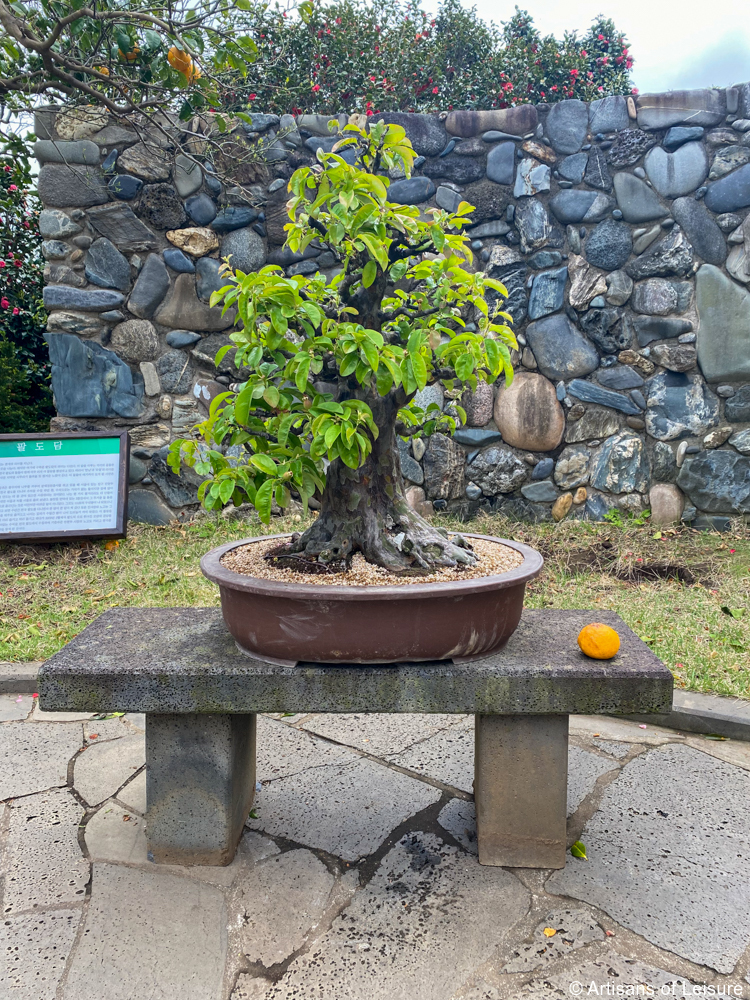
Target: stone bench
{"points": [[201, 696]]}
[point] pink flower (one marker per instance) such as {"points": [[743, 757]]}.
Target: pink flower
{"points": [[434, 90], [316, 87], [253, 96], [19, 263], [4, 303], [7, 169], [12, 187], [2, 263], [16, 310]]}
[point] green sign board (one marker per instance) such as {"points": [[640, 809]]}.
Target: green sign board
{"points": [[63, 486]]}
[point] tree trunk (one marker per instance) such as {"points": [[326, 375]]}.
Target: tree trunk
{"points": [[365, 510]]}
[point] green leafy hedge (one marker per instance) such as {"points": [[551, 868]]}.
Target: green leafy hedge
{"points": [[25, 396]]}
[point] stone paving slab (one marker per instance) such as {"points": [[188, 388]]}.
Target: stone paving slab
{"points": [[426, 919], [281, 901], [282, 751], [15, 706], [105, 767], [422, 922], [347, 810], [133, 795], [43, 861], [114, 834], [607, 973], [669, 855], [149, 935], [34, 948], [377, 733], [36, 757]]}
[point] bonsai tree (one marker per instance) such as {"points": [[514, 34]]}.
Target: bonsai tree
{"points": [[333, 367]]}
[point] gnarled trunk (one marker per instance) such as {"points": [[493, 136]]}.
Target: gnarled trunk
{"points": [[365, 510]]}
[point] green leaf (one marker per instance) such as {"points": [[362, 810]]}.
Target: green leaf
{"points": [[464, 366], [578, 850], [265, 463], [226, 489], [370, 273], [263, 500], [384, 381], [734, 612]]}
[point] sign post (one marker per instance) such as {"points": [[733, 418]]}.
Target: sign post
{"points": [[60, 486]]}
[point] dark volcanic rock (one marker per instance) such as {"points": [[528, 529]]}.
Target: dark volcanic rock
{"points": [[597, 174], [717, 481], [727, 194], [561, 351], [150, 288], [160, 207], [426, 132], [601, 325], [701, 230], [671, 255], [67, 297], [178, 490], [106, 266], [589, 392], [412, 191], [496, 470], [679, 406], [621, 465], [459, 169], [737, 409], [89, 381], [175, 372], [566, 126], [629, 147], [63, 186], [443, 469], [123, 227], [609, 246]]}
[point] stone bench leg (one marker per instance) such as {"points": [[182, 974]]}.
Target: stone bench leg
{"points": [[521, 789], [200, 782]]}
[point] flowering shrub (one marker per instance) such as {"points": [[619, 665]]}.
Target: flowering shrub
{"points": [[25, 397], [391, 55]]}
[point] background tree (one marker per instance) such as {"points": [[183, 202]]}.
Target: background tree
{"points": [[137, 58], [330, 371], [391, 55], [25, 397]]}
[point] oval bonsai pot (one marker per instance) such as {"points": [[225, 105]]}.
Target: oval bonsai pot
{"points": [[321, 623]]}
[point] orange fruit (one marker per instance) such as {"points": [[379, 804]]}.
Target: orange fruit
{"points": [[102, 69], [598, 641], [130, 56], [180, 60]]}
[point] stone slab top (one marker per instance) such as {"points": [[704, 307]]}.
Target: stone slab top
{"points": [[175, 660]]}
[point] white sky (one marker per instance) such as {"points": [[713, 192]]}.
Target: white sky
{"points": [[676, 43]]}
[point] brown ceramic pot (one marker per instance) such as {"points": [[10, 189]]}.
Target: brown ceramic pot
{"points": [[310, 622]]}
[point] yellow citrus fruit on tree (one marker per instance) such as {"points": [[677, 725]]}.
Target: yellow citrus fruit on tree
{"points": [[180, 60], [599, 641]]}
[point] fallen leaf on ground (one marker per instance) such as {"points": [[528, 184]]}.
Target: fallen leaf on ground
{"points": [[578, 850], [549, 932]]}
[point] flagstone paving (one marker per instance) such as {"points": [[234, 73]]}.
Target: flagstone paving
{"points": [[357, 877]]}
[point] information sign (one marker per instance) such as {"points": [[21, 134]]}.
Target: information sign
{"points": [[57, 486]]}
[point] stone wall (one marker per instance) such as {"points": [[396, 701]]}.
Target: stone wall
{"points": [[620, 229]]}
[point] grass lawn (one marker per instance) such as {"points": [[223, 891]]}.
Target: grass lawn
{"points": [[669, 586]]}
